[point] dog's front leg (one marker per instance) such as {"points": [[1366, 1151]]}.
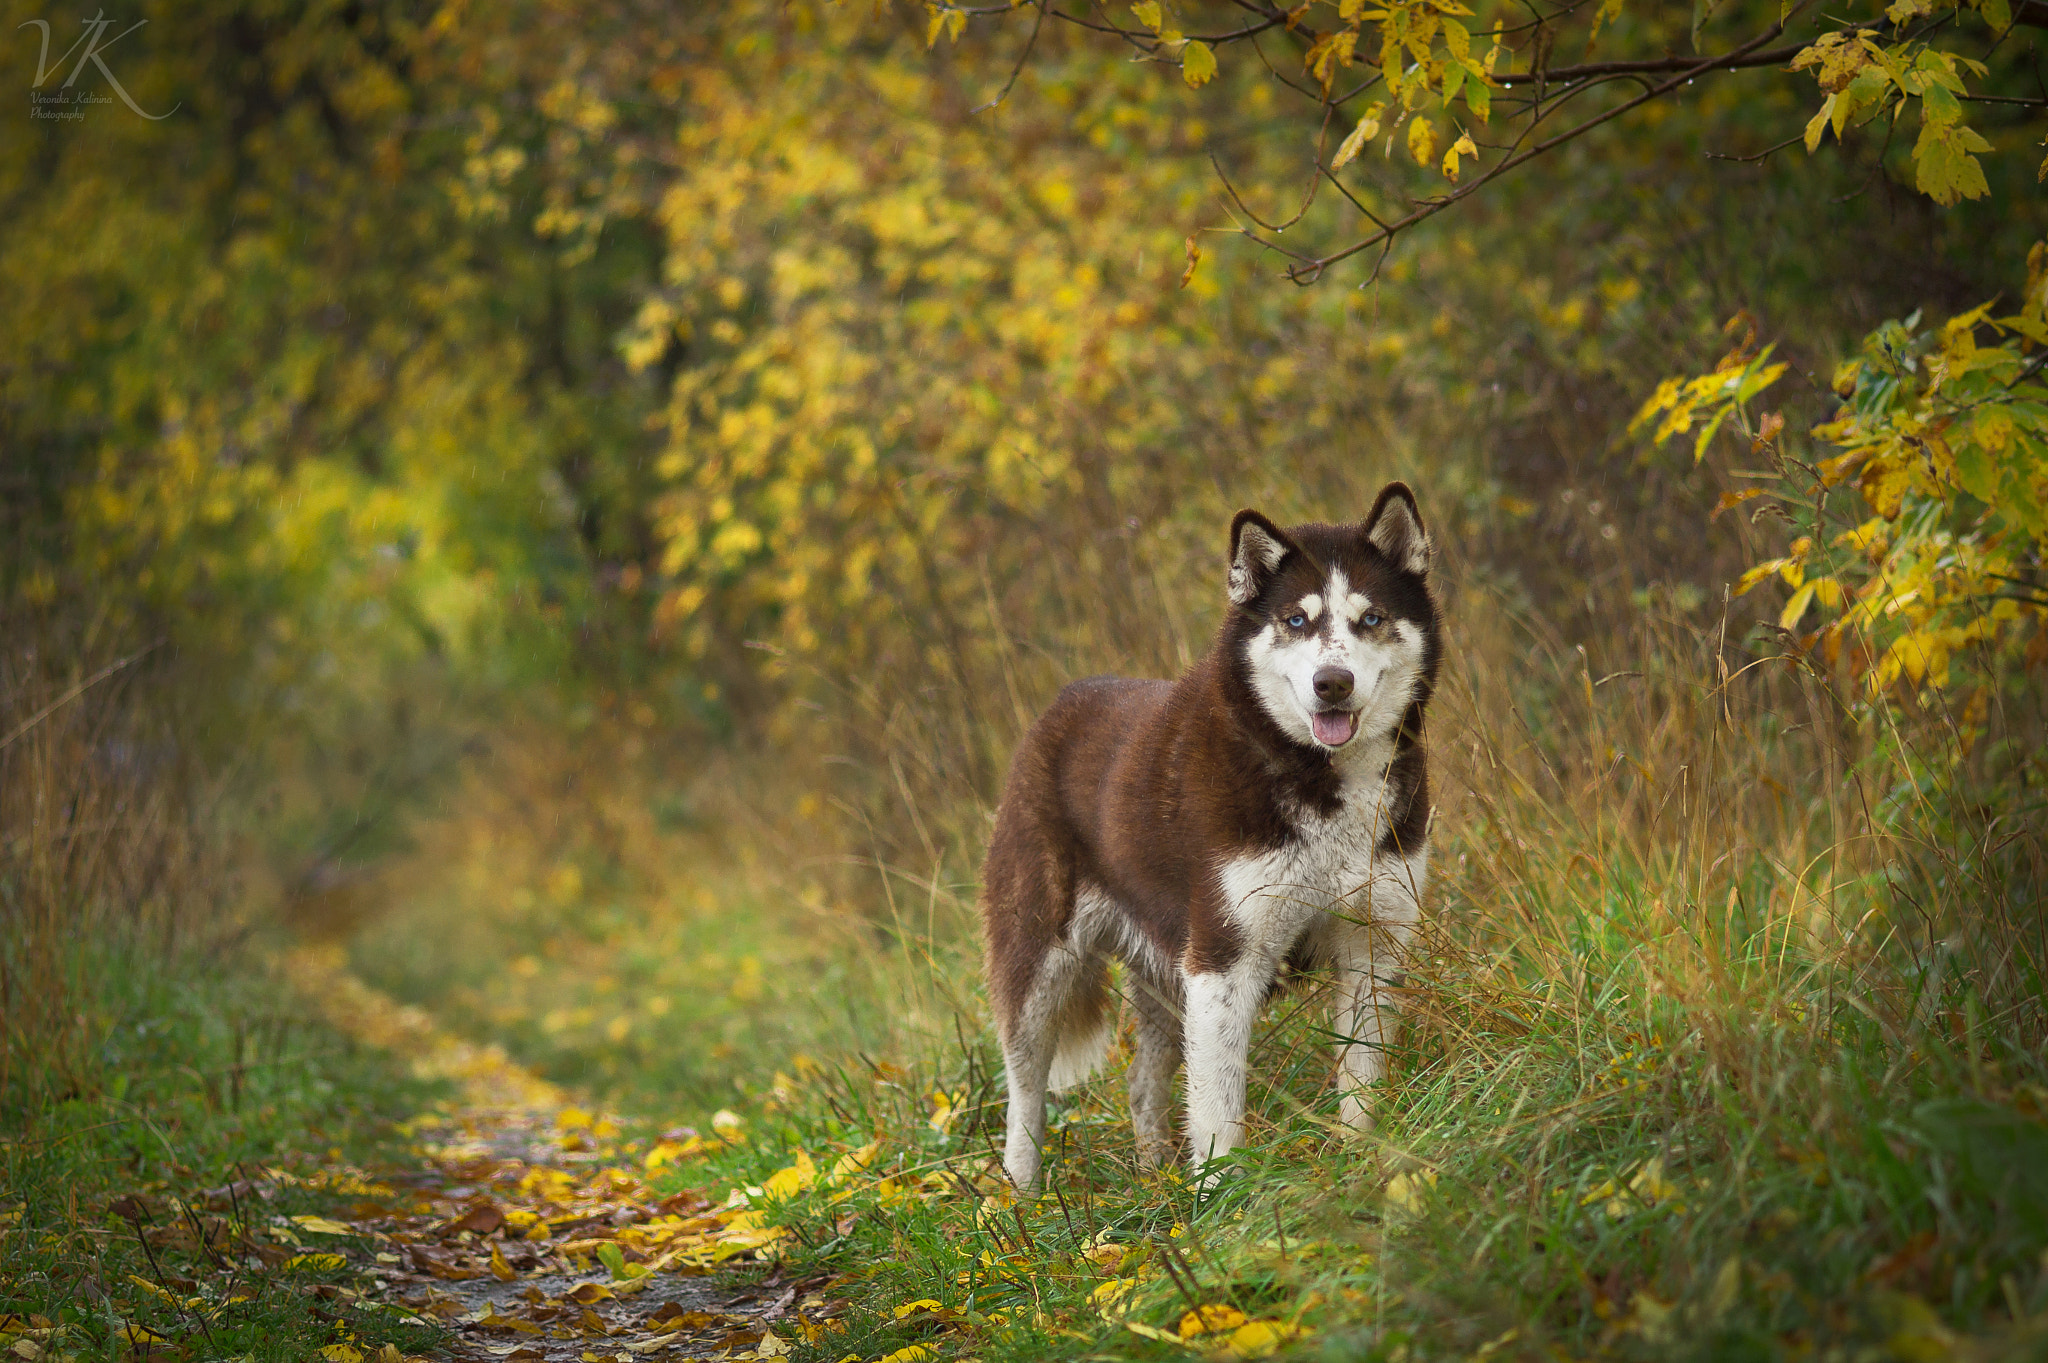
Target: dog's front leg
{"points": [[1221, 1007], [1368, 962]]}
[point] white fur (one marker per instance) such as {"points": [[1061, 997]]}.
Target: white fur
{"points": [[1327, 884], [1045, 1050], [1098, 921], [1079, 1056], [1029, 1046], [1385, 665]]}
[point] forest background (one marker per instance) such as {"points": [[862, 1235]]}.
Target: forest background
{"points": [[571, 506]]}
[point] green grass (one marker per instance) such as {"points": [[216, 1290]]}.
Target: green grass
{"points": [[1725, 1041], [1612, 1181], [1705, 1059], [158, 1161], [665, 1011]]}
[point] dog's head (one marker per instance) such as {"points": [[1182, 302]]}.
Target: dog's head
{"points": [[1336, 628]]}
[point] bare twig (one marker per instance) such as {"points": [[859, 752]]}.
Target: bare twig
{"points": [[1018, 69], [80, 689]]}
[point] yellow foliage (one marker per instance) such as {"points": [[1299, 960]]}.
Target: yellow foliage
{"points": [[1947, 437]]}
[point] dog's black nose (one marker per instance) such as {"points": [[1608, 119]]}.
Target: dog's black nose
{"points": [[1333, 684]]}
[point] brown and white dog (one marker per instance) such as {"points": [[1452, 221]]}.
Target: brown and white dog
{"points": [[1266, 812]]}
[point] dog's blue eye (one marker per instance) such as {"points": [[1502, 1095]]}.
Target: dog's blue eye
{"points": [[1297, 620], [1371, 620]]}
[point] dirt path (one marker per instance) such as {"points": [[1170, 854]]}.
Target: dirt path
{"points": [[525, 1228]]}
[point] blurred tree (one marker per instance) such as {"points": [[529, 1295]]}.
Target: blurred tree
{"points": [[293, 386], [771, 371]]}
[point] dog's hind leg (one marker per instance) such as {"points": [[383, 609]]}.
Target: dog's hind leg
{"points": [[1035, 967], [1058, 996], [1158, 1056]]}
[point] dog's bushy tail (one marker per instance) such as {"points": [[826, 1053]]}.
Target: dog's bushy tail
{"points": [[1085, 1028]]}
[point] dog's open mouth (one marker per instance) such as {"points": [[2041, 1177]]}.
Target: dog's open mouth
{"points": [[1333, 728]]}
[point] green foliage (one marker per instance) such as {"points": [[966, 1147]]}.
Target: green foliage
{"points": [[291, 398]]}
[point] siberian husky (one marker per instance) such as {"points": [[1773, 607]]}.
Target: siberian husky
{"points": [[1266, 812]]}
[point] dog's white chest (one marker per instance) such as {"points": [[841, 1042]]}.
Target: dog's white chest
{"points": [[1329, 870]]}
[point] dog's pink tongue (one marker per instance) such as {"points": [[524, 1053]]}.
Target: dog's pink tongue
{"points": [[1333, 727]]}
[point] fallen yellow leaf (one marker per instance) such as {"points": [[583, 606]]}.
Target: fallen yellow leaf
{"points": [[321, 1225], [315, 1261], [666, 1153], [914, 1353], [1262, 1338], [784, 1184], [1210, 1320], [1110, 1296], [853, 1162], [945, 1111], [153, 1290], [1405, 1191]]}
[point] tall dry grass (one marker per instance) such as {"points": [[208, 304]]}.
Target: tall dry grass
{"points": [[105, 851], [1759, 827]]}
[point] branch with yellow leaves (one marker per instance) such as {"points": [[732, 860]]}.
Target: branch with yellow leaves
{"points": [[1309, 269], [1426, 56]]}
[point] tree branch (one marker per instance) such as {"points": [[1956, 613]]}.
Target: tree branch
{"points": [[1311, 271], [1690, 65]]}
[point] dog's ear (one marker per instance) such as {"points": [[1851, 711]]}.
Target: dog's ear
{"points": [[1257, 547], [1395, 529]]}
